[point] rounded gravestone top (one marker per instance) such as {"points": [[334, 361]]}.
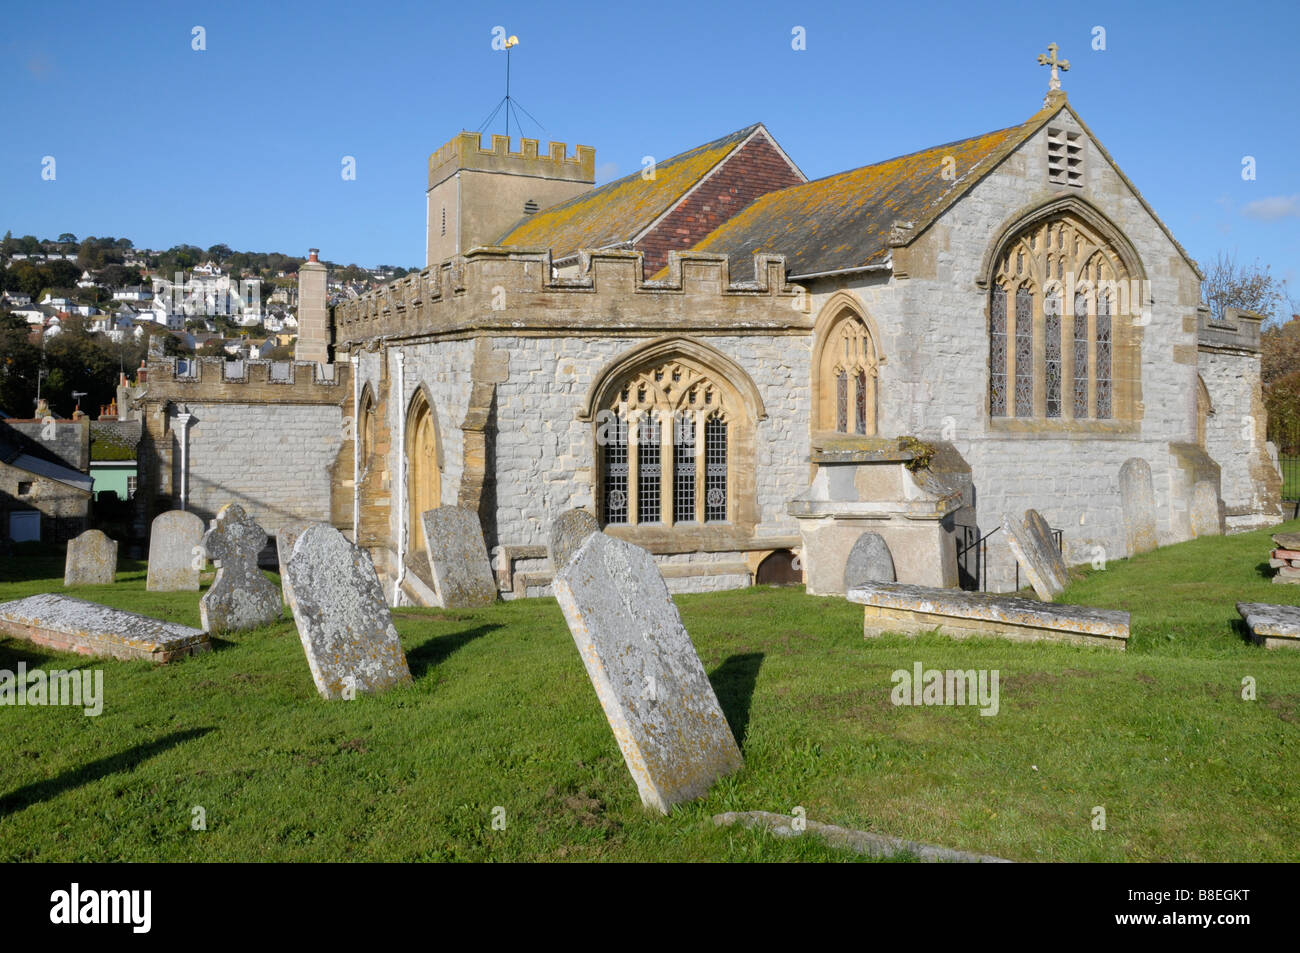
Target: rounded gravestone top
{"points": [[570, 529], [869, 561]]}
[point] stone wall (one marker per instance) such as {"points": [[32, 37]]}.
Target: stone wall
{"points": [[64, 509]]}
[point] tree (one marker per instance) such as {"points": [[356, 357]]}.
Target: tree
{"points": [[1229, 285], [20, 361], [67, 238]]}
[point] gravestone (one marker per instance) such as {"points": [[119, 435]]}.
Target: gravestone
{"points": [[65, 624], [1033, 561], [240, 597], [869, 561], [343, 620], [1205, 510], [173, 564], [645, 670], [285, 537], [570, 529], [92, 560], [1138, 500], [458, 558], [1041, 531]]}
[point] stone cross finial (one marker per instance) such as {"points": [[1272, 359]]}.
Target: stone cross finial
{"points": [[1049, 59]]}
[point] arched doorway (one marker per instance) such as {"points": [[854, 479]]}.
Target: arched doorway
{"points": [[424, 467], [779, 569]]}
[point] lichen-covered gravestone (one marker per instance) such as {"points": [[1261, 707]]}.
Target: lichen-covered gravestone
{"points": [[569, 531], [647, 675], [1138, 500], [458, 558], [1041, 531], [92, 560], [1205, 510], [173, 564], [1024, 546], [285, 538], [869, 561], [338, 606], [240, 597]]}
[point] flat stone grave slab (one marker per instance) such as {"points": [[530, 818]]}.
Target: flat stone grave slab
{"points": [[911, 610], [1138, 502], [651, 684], [343, 620], [66, 624], [92, 560], [1029, 554], [173, 563], [1287, 540], [240, 597], [1276, 627], [869, 561], [458, 558], [569, 531]]}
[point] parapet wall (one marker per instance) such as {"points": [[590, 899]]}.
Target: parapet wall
{"points": [[466, 151], [215, 380], [1237, 330], [517, 291]]}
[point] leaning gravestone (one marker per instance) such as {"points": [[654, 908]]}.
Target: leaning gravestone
{"points": [[1041, 531], [458, 558], [240, 597], [869, 561], [1138, 499], [569, 531], [173, 566], [285, 538], [647, 675], [92, 560], [1205, 510], [343, 621], [1036, 566]]}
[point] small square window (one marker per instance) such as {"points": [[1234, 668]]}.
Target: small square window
{"points": [[24, 489]]}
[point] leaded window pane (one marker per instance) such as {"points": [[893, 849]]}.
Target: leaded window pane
{"points": [[648, 469], [715, 479], [998, 353], [684, 469], [1024, 353], [842, 402], [861, 403], [1052, 354], [1104, 383], [1080, 356], [616, 471]]}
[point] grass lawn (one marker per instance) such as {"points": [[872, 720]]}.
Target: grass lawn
{"points": [[501, 714]]}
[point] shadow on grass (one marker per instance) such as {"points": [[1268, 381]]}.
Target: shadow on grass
{"points": [[438, 650], [1265, 570], [1241, 629], [12, 653], [734, 680], [126, 760]]}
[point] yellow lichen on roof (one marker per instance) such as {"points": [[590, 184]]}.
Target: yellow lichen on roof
{"points": [[619, 210], [844, 220]]}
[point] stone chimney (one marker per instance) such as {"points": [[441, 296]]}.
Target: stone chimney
{"points": [[313, 312]]}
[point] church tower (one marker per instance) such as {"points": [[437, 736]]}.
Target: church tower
{"points": [[475, 194]]}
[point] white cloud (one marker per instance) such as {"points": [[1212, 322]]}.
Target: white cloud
{"points": [[1273, 208]]}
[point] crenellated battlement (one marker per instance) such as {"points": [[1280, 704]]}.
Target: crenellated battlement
{"points": [[466, 151], [1238, 330], [215, 380], [518, 290]]}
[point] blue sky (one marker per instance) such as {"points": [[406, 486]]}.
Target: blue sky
{"points": [[243, 142]]}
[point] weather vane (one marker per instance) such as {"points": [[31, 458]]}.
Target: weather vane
{"points": [[511, 105]]}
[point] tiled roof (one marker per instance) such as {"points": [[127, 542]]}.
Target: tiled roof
{"points": [[114, 439], [620, 210], [843, 221]]}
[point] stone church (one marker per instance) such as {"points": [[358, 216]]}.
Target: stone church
{"points": [[741, 370]]}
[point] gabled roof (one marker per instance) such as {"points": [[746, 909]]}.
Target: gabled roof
{"points": [[13, 451], [619, 211], [842, 222]]}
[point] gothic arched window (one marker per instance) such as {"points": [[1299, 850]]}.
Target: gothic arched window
{"points": [[663, 442], [1055, 339], [847, 378]]}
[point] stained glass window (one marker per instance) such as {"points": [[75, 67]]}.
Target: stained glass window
{"points": [[616, 471], [842, 401], [998, 353], [860, 405], [1024, 352], [1052, 354], [1104, 383], [1080, 356], [715, 459], [684, 469], [648, 470]]}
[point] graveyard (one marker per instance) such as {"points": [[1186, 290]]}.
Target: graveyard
{"points": [[493, 746]]}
